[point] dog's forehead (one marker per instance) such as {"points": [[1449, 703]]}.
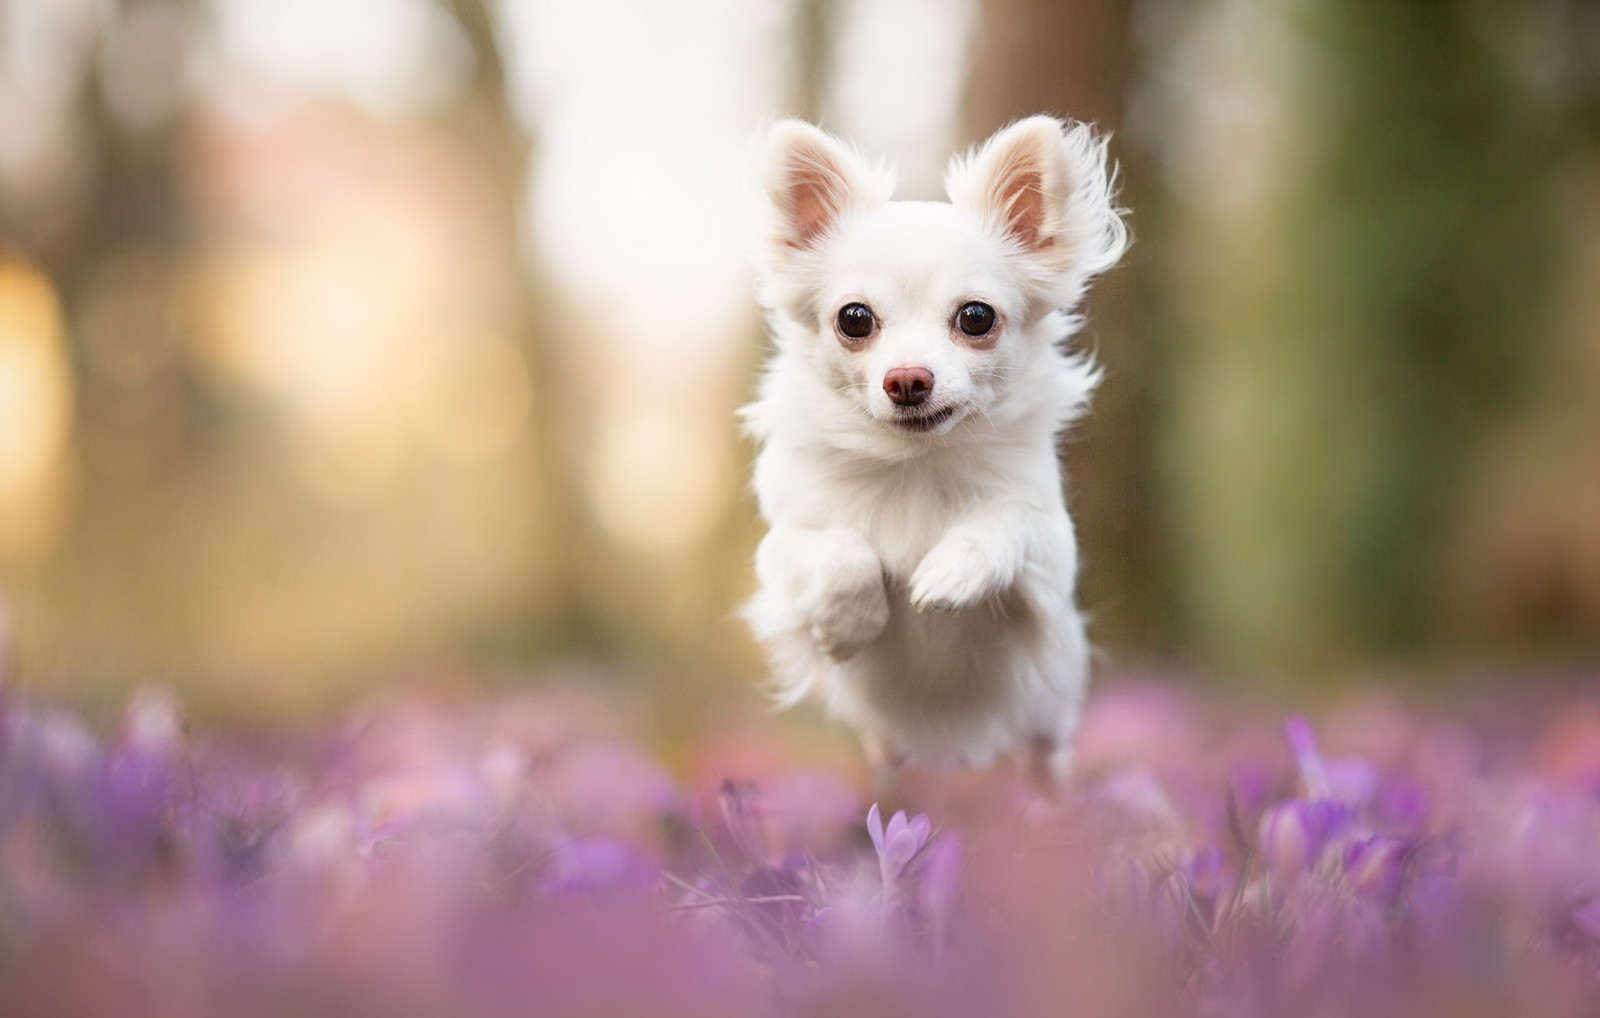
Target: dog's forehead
{"points": [[919, 250]]}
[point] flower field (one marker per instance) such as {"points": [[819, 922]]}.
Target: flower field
{"points": [[514, 857]]}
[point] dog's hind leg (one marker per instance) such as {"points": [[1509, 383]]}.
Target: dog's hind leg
{"points": [[1049, 764], [885, 761]]}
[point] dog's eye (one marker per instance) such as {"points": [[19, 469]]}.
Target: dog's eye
{"points": [[975, 318], [856, 321]]}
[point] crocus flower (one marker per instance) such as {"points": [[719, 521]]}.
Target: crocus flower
{"points": [[1291, 839], [1376, 865], [597, 864], [457, 867], [898, 843], [1307, 758]]}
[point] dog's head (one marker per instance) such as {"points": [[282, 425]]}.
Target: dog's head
{"points": [[925, 313]]}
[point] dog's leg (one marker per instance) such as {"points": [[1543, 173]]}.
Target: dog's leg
{"points": [[886, 763], [975, 560], [1049, 767], [833, 581]]}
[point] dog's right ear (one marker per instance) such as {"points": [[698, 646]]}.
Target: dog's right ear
{"points": [[814, 181], [1047, 188]]}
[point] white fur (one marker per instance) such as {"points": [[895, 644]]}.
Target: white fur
{"points": [[920, 583]]}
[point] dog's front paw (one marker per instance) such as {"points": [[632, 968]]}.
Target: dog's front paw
{"points": [[851, 609], [957, 574]]}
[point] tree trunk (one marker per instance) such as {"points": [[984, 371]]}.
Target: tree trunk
{"points": [[1073, 59]]}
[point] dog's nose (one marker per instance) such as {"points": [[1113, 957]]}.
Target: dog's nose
{"points": [[908, 386]]}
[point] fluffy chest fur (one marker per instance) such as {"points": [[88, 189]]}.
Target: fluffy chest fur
{"points": [[818, 466], [945, 686]]}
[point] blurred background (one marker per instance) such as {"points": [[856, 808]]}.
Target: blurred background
{"points": [[348, 340]]}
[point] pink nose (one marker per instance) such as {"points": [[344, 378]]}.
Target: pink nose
{"points": [[908, 386]]}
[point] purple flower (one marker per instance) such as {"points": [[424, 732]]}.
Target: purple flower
{"points": [[1307, 758], [1205, 868], [1376, 865], [1351, 780], [1291, 838], [898, 843], [410, 878], [1403, 804], [598, 864]]}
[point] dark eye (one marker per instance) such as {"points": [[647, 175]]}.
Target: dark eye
{"points": [[856, 321], [975, 318]]}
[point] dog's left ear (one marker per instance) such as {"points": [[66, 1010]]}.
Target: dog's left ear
{"points": [[815, 182], [1047, 187]]}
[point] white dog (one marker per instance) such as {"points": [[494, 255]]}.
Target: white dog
{"points": [[918, 574]]}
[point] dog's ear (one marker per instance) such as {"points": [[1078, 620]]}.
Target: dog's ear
{"points": [[1047, 187], [814, 180]]}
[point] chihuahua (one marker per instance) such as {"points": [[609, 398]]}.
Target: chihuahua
{"points": [[918, 572]]}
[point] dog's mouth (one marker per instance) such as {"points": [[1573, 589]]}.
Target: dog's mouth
{"points": [[925, 422]]}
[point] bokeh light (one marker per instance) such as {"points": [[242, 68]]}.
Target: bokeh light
{"points": [[35, 413], [413, 331]]}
